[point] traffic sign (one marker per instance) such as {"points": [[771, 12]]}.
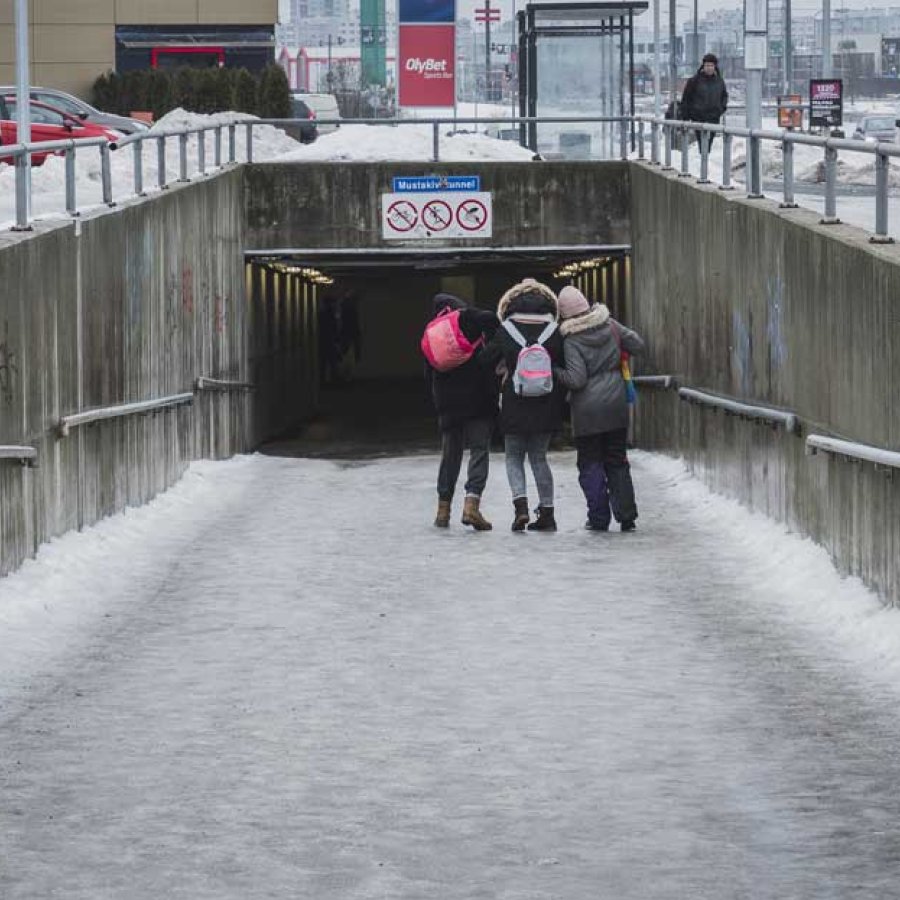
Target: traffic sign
{"points": [[445, 214]]}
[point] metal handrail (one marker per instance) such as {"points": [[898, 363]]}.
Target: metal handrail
{"points": [[661, 128], [852, 450], [787, 138], [125, 409], [659, 381], [217, 384], [790, 421], [25, 455]]}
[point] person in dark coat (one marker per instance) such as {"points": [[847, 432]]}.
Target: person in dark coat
{"points": [[527, 423], [593, 345], [705, 97], [465, 399]]}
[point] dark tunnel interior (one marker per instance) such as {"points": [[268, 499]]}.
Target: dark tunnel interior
{"points": [[372, 397]]}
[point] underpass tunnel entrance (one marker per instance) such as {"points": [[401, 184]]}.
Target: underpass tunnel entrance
{"points": [[335, 335]]}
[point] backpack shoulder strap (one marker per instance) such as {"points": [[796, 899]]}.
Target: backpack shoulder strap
{"points": [[514, 333], [545, 334]]}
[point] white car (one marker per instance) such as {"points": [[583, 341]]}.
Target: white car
{"points": [[876, 128], [325, 106]]}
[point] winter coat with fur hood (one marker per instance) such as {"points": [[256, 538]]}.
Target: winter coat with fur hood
{"points": [[593, 371], [530, 305], [469, 391]]}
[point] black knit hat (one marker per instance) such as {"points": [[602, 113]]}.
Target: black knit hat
{"points": [[711, 57]]}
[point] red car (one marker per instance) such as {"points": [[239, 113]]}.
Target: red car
{"points": [[47, 124]]}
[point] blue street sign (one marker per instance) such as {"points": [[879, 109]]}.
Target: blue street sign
{"points": [[403, 184]]}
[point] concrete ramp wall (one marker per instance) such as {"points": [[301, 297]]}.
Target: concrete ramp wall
{"points": [[765, 305]]}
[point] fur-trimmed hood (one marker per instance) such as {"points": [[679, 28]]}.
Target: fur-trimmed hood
{"points": [[596, 316], [524, 287]]}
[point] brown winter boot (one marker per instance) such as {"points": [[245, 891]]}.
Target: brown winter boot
{"points": [[472, 515], [545, 520], [521, 519], [442, 519]]}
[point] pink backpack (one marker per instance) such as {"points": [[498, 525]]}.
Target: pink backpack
{"points": [[444, 345]]}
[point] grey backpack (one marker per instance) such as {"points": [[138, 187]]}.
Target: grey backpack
{"points": [[533, 376]]}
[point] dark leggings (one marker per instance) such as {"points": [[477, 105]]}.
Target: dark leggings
{"points": [[605, 476]]}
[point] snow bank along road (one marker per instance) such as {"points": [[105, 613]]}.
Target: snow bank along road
{"points": [[279, 680]]}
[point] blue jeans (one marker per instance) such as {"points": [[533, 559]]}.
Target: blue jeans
{"points": [[535, 447]]}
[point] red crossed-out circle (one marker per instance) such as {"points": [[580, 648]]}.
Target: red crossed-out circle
{"points": [[402, 215], [437, 215], [471, 215]]}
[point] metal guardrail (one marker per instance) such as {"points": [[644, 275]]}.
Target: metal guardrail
{"points": [[664, 135], [25, 455], [216, 384], [66, 423], [888, 459], [670, 130], [658, 381], [788, 420]]}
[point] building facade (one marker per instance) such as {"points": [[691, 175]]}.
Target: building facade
{"points": [[74, 41]]}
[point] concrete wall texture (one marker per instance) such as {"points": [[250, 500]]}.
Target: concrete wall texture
{"points": [[766, 305]]}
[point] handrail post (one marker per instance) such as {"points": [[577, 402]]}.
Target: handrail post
{"points": [[726, 184], [161, 162], [71, 199], [704, 156], [654, 143], [201, 151], [249, 142], [623, 139], [830, 217], [881, 235], [232, 128], [182, 157], [106, 174], [23, 178], [138, 168], [787, 154], [218, 147], [668, 135], [754, 167], [685, 137], [640, 140], [436, 141]]}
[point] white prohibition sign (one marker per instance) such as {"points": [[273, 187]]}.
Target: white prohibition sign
{"points": [[437, 215], [471, 215], [402, 215]]}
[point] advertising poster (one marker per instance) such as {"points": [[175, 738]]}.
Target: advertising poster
{"points": [[426, 65], [826, 103], [417, 11]]}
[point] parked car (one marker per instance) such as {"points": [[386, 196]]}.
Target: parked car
{"points": [[47, 124], [307, 131], [325, 106], [75, 106], [876, 128]]}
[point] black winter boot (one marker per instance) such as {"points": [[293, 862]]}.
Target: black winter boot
{"points": [[544, 521], [521, 519]]}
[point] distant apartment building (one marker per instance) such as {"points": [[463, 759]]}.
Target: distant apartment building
{"points": [[74, 41]]}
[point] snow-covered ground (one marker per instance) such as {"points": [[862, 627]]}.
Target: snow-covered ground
{"points": [[279, 680]]}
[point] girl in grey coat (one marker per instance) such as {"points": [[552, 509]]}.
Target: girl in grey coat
{"points": [[593, 345]]}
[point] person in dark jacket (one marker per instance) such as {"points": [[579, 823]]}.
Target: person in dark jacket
{"points": [[465, 399], [705, 97], [593, 345], [527, 423]]}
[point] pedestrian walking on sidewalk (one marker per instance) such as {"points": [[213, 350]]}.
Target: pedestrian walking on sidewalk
{"points": [[593, 344], [531, 404], [705, 97], [465, 398]]}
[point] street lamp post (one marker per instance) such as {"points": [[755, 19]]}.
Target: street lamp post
{"points": [[23, 118]]}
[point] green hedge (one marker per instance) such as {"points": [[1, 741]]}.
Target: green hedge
{"points": [[196, 90]]}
